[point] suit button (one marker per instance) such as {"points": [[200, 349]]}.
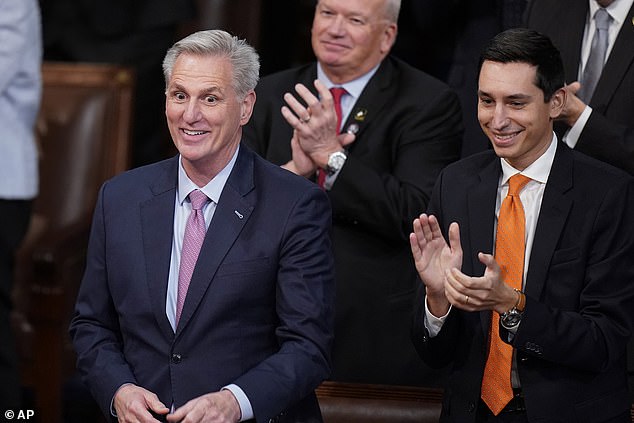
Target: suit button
{"points": [[176, 358], [472, 407]]}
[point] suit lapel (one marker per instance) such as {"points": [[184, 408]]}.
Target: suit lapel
{"points": [[158, 212], [620, 60], [232, 213], [374, 97], [556, 205], [481, 221]]}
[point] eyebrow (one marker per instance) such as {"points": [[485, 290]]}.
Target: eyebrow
{"points": [[508, 97], [209, 89]]}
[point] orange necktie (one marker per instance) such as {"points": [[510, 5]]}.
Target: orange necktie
{"points": [[337, 93], [509, 254]]}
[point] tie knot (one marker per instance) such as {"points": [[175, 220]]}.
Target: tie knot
{"points": [[516, 183], [602, 19], [337, 93], [198, 199]]}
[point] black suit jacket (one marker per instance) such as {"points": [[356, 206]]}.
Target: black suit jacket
{"points": [[259, 310], [609, 133], [570, 345], [409, 129]]}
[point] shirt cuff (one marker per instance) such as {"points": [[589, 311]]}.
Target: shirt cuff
{"points": [[246, 411], [433, 324], [330, 180], [572, 136]]}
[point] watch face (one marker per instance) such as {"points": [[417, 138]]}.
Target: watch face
{"points": [[511, 319], [336, 161]]}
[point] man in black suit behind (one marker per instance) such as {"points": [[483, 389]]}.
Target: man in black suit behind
{"points": [[567, 323], [399, 128], [601, 126]]}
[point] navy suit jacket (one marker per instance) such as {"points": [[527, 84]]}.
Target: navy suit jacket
{"points": [[409, 128], [259, 310], [570, 345], [609, 133]]}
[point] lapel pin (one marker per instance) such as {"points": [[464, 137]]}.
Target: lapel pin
{"points": [[360, 115], [353, 128], [240, 215]]}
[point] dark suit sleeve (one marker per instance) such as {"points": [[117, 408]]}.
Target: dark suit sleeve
{"points": [[305, 308], [383, 190], [95, 327], [608, 141]]}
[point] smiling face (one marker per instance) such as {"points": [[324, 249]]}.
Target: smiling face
{"points": [[513, 114], [204, 114], [350, 37]]}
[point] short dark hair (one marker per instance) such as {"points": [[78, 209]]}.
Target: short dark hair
{"points": [[521, 45]]}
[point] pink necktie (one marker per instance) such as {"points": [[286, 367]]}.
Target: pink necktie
{"points": [[337, 93], [192, 241]]}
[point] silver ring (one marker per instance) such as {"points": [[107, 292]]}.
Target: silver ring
{"points": [[466, 299]]}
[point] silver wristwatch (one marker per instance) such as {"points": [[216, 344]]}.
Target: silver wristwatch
{"points": [[511, 319], [336, 161]]}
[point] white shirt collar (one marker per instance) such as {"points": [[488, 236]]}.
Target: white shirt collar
{"points": [[618, 10], [538, 170], [213, 189], [354, 87]]}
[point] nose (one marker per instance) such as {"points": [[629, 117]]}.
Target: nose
{"points": [[336, 28], [192, 111], [500, 118]]}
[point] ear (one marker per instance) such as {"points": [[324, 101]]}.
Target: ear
{"points": [[246, 108], [557, 102], [389, 36]]}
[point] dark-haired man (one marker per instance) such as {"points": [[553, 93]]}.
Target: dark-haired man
{"points": [[531, 299]]}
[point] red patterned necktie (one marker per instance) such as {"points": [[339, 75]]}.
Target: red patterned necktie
{"points": [[192, 241], [509, 254], [337, 93]]}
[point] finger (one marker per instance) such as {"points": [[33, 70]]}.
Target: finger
{"points": [[415, 246], [451, 290], [324, 94], [311, 100], [419, 229], [300, 111], [434, 227], [291, 118]]}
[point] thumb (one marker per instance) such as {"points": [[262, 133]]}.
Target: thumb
{"points": [[155, 404], [489, 261], [574, 87], [346, 139]]}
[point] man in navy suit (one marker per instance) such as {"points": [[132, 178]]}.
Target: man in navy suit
{"points": [[399, 127], [252, 338], [566, 324]]}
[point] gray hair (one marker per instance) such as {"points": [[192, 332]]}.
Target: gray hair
{"points": [[244, 59], [392, 10]]}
